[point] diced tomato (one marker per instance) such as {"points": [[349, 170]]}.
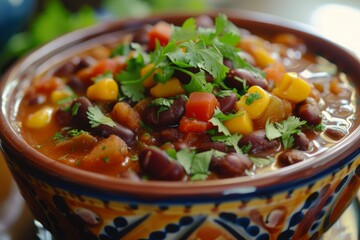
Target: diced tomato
{"points": [[274, 72], [47, 85], [193, 125], [201, 105], [160, 32], [101, 67]]}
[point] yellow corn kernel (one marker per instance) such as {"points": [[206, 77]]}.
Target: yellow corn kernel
{"points": [[105, 89], [58, 95], [39, 119], [241, 124], [292, 88], [262, 57], [254, 107], [168, 89]]}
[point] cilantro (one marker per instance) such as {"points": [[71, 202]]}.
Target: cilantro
{"points": [[225, 93], [318, 128], [134, 91], [195, 164], [220, 117], [186, 32], [121, 50], [163, 104], [96, 117], [262, 162], [197, 83], [229, 140], [246, 148], [252, 97], [75, 132], [200, 56], [58, 137], [285, 130], [171, 152], [74, 109], [106, 159]]}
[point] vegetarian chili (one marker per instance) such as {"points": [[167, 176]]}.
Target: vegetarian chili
{"points": [[205, 100]]}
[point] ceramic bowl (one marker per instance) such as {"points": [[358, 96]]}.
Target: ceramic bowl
{"points": [[301, 201]]}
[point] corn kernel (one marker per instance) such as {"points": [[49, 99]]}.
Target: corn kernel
{"points": [[58, 95], [257, 105], [241, 124], [105, 89], [262, 57], [149, 81], [40, 118], [168, 89], [292, 88]]}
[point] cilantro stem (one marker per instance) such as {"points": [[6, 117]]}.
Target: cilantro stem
{"points": [[140, 80]]}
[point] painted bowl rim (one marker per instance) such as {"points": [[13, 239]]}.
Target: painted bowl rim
{"points": [[291, 174]]}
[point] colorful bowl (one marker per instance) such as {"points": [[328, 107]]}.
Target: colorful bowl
{"points": [[301, 201]]}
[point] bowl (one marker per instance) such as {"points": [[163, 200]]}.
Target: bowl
{"points": [[300, 201]]}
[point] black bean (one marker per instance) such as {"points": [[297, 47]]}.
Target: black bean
{"points": [[105, 131], [309, 111], [250, 78], [259, 142], [63, 117], [301, 141], [227, 103], [167, 118], [290, 157], [157, 165], [230, 165]]}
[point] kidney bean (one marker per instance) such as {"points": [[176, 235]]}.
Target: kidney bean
{"points": [[230, 165], [227, 103], [158, 165], [105, 131], [301, 141], [309, 111], [140, 36], [63, 117], [335, 133], [290, 157], [204, 21], [74, 65], [183, 77], [205, 146], [80, 119], [165, 118], [227, 62], [250, 78], [77, 84], [259, 142]]}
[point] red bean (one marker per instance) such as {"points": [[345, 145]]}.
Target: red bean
{"points": [[227, 103], [335, 133], [205, 146], [309, 111], [259, 142], [167, 118], [230, 165], [250, 78], [290, 157], [157, 165], [301, 141]]}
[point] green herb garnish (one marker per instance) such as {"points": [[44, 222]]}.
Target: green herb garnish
{"points": [[252, 97], [96, 117]]}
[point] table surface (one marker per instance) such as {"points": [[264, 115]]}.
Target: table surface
{"points": [[335, 19]]}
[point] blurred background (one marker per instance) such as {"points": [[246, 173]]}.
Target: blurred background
{"points": [[27, 24]]}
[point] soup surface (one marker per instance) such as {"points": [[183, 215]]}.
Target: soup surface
{"points": [[201, 101]]}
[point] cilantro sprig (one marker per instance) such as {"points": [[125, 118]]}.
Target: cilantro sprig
{"points": [[284, 130], [96, 117]]}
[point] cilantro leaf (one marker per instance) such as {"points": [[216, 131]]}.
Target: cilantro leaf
{"points": [[262, 162], [219, 117], [96, 117], [252, 97], [231, 140], [285, 130], [186, 32], [134, 91], [198, 83], [121, 50], [185, 158], [200, 56], [163, 104], [107, 74]]}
